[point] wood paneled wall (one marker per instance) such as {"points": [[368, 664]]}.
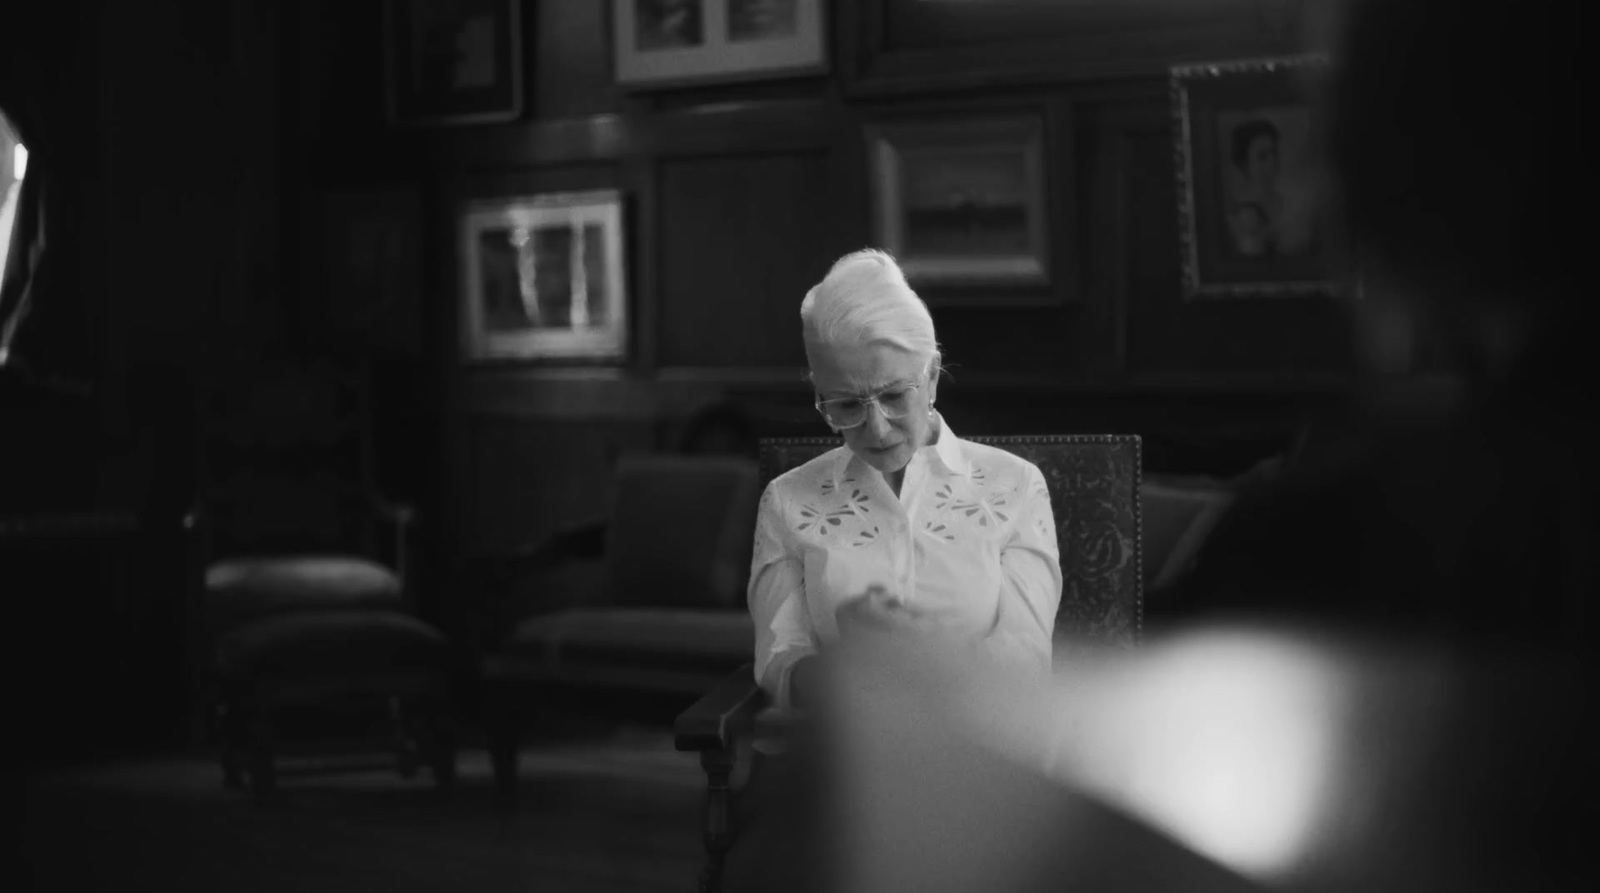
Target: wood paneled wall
{"points": [[741, 195]]}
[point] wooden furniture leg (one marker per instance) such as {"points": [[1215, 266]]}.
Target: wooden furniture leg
{"points": [[263, 741], [403, 738], [712, 727], [718, 763], [439, 747], [503, 745], [229, 733]]}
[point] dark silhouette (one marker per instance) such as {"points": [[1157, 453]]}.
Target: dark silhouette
{"points": [[1464, 526], [722, 428]]}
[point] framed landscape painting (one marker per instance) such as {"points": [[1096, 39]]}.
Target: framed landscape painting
{"points": [[542, 278], [1249, 215], [960, 200], [663, 43]]}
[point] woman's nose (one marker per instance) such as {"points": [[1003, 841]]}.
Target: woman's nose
{"points": [[877, 422]]}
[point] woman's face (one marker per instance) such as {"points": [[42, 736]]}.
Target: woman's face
{"points": [[1261, 164], [862, 371]]}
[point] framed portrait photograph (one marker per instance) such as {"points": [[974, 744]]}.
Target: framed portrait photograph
{"points": [[1249, 216], [453, 61], [959, 200], [665, 43], [542, 278]]}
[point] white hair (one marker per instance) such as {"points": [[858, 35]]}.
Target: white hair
{"points": [[863, 300]]}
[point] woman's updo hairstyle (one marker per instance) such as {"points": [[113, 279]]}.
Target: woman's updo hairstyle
{"points": [[865, 300]]}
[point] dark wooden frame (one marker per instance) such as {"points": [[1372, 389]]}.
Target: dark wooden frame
{"points": [[608, 206], [1022, 131], [1198, 93], [1120, 41], [713, 75], [502, 102]]}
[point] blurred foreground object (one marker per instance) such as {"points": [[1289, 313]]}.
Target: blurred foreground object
{"points": [[1223, 759]]}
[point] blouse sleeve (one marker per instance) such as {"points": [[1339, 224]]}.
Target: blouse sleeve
{"points": [[1030, 563], [777, 601]]}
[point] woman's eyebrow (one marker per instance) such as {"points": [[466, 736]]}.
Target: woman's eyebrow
{"points": [[875, 389]]}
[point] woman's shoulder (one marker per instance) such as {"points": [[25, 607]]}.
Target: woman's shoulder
{"points": [[998, 466], [808, 477]]}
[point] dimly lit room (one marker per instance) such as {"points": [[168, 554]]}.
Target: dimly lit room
{"points": [[795, 445]]}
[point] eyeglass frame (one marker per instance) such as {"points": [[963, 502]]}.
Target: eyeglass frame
{"points": [[868, 402]]}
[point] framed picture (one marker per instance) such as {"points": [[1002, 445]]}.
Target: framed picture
{"points": [[1249, 220], [371, 245], [542, 278], [453, 61], [960, 200], [663, 43]]}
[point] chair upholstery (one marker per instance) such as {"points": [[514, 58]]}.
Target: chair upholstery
{"points": [[299, 573], [678, 530], [1094, 483], [242, 590], [311, 644], [665, 613], [1178, 516], [668, 587]]}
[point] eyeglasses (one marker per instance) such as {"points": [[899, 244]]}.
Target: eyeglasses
{"points": [[848, 412]]}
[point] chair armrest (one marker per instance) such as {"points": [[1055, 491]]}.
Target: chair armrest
{"points": [[711, 722], [495, 572], [585, 539]]}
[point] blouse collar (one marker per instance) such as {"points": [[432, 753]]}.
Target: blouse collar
{"points": [[947, 449], [945, 452]]}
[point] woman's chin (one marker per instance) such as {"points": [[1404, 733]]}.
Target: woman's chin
{"points": [[886, 461]]}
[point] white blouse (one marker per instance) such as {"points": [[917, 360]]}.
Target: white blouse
{"points": [[971, 539]]}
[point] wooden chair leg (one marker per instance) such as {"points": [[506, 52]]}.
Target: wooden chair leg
{"points": [[440, 746], [262, 746], [229, 738], [504, 742], [403, 738], [718, 764]]}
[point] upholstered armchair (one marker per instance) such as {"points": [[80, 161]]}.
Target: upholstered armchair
{"points": [[301, 591], [651, 603], [1094, 485]]}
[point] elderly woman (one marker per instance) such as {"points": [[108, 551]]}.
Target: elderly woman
{"points": [[905, 532], [905, 529]]}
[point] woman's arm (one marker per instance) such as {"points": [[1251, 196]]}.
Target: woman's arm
{"points": [[1030, 589], [784, 636]]}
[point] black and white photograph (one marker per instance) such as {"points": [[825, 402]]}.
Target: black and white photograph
{"points": [[1251, 219], [1268, 202], [798, 446], [548, 277], [754, 20], [959, 199], [659, 44], [667, 24], [973, 203], [452, 62], [542, 278]]}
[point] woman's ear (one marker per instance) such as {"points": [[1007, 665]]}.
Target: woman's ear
{"points": [[935, 370]]}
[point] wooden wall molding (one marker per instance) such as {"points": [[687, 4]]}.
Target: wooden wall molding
{"points": [[677, 392], [1108, 41], [580, 394], [728, 128]]}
